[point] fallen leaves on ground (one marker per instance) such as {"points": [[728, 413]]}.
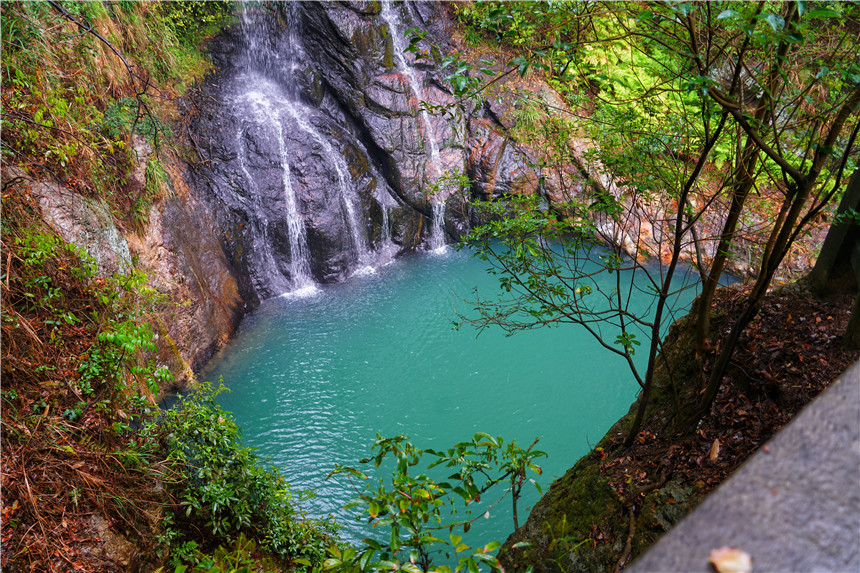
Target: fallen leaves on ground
{"points": [[788, 355]]}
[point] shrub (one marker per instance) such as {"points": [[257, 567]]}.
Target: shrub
{"points": [[225, 490]]}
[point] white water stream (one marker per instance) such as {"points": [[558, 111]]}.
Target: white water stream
{"points": [[268, 100], [268, 257], [437, 233], [348, 197], [267, 114]]}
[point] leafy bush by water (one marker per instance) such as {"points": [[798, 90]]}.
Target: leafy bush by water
{"points": [[226, 490]]}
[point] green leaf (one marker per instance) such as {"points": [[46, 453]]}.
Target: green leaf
{"points": [[486, 558], [395, 540], [776, 22], [801, 7], [726, 14], [365, 557], [488, 437], [823, 13]]}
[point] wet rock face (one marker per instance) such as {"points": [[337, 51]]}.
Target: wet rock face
{"points": [[362, 60], [316, 156], [184, 260]]}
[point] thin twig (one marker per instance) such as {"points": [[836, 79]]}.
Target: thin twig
{"points": [[628, 547]]}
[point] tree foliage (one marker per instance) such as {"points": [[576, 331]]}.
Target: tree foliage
{"points": [[704, 120], [421, 514]]}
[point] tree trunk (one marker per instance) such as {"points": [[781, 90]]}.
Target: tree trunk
{"points": [[837, 269], [782, 237], [833, 269], [744, 182]]}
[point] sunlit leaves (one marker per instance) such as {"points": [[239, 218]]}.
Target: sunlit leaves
{"points": [[823, 13]]}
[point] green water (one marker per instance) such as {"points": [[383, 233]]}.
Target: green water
{"points": [[314, 379]]}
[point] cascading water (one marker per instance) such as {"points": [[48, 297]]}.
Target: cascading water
{"points": [[348, 197], [312, 145], [267, 258], [386, 227], [265, 113], [390, 18], [266, 97], [437, 234]]}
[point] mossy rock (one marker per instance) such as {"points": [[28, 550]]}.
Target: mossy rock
{"points": [[575, 505], [660, 511]]}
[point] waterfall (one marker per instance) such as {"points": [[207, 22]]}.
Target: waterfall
{"points": [[300, 268], [399, 48], [265, 113], [349, 200], [437, 236], [268, 258], [387, 249], [260, 55], [269, 89], [348, 197], [386, 227], [320, 161], [437, 231]]}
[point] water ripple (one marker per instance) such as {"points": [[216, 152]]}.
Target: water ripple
{"points": [[313, 380]]}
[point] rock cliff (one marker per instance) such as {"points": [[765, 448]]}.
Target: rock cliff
{"points": [[324, 148]]}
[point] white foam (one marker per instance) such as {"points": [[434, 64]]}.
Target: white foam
{"points": [[364, 272], [302, 292]]}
